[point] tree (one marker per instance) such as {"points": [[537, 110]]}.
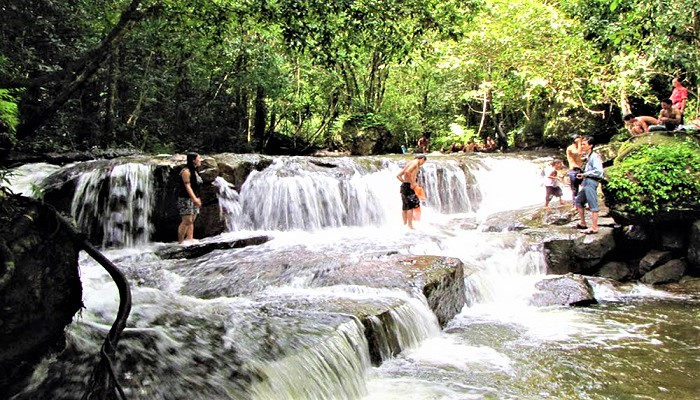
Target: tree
{"points": [[645, 44]]}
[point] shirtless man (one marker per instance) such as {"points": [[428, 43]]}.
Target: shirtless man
{"points": [[409, 199], [639, 125], [573, 157], [669, 116]]}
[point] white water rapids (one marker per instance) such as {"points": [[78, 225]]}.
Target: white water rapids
{"points": [[638, 345]]}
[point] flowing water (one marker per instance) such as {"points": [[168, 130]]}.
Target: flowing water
{"points": [[196, 333]]}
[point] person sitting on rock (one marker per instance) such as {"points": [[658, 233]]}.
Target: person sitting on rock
{"points": [[423, 145], [669, 116], [638, 126], [679, 96]]}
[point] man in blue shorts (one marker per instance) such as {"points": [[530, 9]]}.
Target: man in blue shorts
{"points": [[588, 193]]}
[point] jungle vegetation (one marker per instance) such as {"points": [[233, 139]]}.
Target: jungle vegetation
{"points": [[294, 76]]}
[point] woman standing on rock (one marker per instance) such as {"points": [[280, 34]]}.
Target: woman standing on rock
{"points": [[188, 201]]}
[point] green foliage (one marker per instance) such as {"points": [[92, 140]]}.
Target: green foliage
{"points": [[9, 116], [640, 41], [456, 134], [655, 178], [227, 75]]}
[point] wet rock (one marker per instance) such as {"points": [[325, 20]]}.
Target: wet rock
{"points": [[671, 271], [235, 168], [579, 253], [510, 220], [653, 259], [694, 246], [439, 279], [616, 270], [569, 289], [687, 286], [177, 251], [40, 289]]}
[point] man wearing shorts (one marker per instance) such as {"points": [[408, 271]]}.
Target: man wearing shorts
{"points": [[409, 199], [588, 194]]}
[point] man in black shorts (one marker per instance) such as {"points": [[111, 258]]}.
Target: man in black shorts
{"points": [[409, 199]]}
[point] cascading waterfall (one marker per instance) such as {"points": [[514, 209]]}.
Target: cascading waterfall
{"points": [[194, 337], [334, 369], [116, 204], [230, 208], [292, 195], [446, 188]]}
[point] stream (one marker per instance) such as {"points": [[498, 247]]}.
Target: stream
{"points": [[195, 333]]}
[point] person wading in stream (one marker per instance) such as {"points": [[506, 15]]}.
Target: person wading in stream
{"points": [[409, 199], [188, 201]]}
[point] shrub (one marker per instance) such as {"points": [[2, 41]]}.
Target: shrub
{"points": [[655, 178]]}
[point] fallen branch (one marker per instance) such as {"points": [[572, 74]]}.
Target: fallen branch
{"points": [[103, 382]]}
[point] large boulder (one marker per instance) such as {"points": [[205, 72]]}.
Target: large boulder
{"points": [[694, 246], [579, 254], [653, 259], [616, 270], [565, 290], [671, 271], [655, 179], [40, 289]]}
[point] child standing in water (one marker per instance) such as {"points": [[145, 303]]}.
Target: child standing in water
{"points": [[551, 182]]}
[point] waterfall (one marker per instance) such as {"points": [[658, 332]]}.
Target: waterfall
{"points": [[281, 321], [508, 184], [293, 194], [336, 368], [116, 204], [447, 189], [230, 208], [290, 194], [27, 179]]}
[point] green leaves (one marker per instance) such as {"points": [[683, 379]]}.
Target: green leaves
{"points": [[9, 118], [656, 178]]}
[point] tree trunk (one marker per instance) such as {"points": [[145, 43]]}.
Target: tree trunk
{"points": [[111, 99], [86, 67], [182, 123], [484, 109], [260, 118]]}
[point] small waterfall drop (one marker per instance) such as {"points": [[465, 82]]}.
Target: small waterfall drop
{"points": [[508, 184], [27, 179], [230, 208], [334, 369], [447, 189], [116, 204]]}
